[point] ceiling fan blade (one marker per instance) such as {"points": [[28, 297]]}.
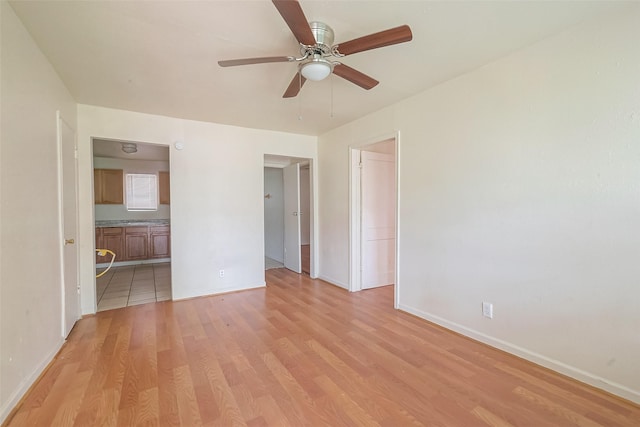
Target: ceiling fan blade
{"points": [[294, 17], [247, 61], [354, 76], [373, 41], [295, 86]]}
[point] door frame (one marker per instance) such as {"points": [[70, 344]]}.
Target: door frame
{"points": [[355, 214], [94, 280], [61, 226], [277, 160]]}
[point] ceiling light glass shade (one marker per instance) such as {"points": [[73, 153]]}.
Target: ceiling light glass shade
{"points": [[316, 70], [129, 147]]}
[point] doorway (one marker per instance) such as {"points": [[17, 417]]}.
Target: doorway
{"points": [[288, 213], [373, 215], [133, 221]]}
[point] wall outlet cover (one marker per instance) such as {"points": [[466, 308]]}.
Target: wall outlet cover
{"points": [[487, 310]]}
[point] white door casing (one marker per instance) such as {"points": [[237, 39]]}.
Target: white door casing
{"points": [[69, 224], [378, 221], [291, 180]]}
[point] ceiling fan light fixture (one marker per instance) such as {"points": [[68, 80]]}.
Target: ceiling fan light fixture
{"points": [[317, 69], [129, 147]]}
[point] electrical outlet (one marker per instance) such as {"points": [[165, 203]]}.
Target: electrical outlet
{"points": [[221, 273], [487, 310]]}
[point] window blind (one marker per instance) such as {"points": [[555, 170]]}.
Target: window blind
{"points": [[142, 192]]}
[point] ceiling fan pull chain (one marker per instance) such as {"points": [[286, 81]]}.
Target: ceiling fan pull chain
{"points": [[300, 98], [331, 83]]}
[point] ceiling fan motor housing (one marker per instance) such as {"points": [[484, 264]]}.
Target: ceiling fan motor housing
{"points": [[323, 35]]}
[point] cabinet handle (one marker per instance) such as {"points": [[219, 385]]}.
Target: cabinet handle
{"points": [[69, 241]]}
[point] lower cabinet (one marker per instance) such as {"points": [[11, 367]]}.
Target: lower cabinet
{"points": [[134, 243], [159, 242], [110, 238]]}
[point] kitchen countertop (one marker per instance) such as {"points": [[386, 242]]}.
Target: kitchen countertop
{"points": [[131, 222]]}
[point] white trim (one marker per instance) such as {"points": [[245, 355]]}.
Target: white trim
{"points": [[313, 256], [539, 359], [355, 214], [137, 262], [396, 296], [223, 291], [271, 162], [334, 282], [60, 221], [27, 382], [355, 275]]}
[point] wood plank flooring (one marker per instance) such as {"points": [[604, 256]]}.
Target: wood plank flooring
{"points": [[305, 259], [298, 352]]}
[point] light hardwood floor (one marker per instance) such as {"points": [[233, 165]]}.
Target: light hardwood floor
{"points": [[298, 352], [305, 259]]}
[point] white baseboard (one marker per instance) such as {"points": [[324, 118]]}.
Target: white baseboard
{"points": [[142, 261], [539, 359], [27, 382], [221, 291], [334, 282]]}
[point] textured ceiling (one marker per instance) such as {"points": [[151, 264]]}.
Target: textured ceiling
{"points": [[160, 57]]}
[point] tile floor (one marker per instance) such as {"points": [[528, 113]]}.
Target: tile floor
{"points": [[133, 285]]}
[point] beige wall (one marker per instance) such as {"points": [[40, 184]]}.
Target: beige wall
{"points": [[30, 272], [518, 186], [217, 199]]}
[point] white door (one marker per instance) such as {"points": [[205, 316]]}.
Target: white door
{"points": [[378, 197], [291, 179], [69, 212]]}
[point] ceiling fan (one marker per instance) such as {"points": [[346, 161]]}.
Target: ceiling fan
{"points": [[316, 46]]}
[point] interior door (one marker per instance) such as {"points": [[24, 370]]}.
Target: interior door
{"points": [[378, 219], [69, 215], [291, 180]]}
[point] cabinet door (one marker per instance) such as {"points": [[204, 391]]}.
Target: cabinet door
{"points": [[159, 242], [97, 186], [112, 186], [112, 239], [163, 184], [136, 242], [108, 186]]}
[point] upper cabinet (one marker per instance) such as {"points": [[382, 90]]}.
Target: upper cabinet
{"points": [[163, 178], [108, 186]]}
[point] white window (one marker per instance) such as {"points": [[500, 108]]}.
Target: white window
{"points": [[142, 192]]}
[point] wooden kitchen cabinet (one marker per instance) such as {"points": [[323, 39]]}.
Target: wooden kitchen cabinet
{"points": [[136, 242], [111, 238], [163, 185], [108, 186], [159, 242]]}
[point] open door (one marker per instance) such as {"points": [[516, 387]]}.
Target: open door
{"points": [[69, 226], [291, 179]]}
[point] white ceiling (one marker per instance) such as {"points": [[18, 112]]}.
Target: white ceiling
{"points": [[160, 57], [113, 149]]}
